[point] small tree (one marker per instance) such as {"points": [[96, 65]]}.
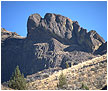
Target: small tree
{"points": [[62, 81], [17, 80]]}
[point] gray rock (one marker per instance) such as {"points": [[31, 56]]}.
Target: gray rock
{"points": [[64, 30], [51, 41], [102, 49]]}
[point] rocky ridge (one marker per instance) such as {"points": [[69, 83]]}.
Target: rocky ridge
{"points": [[51, 41], [62, 29]]}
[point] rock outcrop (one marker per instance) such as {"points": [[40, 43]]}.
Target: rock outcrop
{"points": [[62, 29], [102, 49], [51, 41]]}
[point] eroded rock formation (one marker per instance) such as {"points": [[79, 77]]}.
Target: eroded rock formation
{"points": [[51, 41]]}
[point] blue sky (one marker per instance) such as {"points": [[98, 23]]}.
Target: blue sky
{"points": [[91, 15]]}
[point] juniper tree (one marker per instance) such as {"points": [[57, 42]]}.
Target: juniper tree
{"points": [[62, 81], [17, 81]]}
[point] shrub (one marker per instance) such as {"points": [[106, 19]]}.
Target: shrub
{"points": [[17, 80], [84, 87], [67, 65], [62, 81]]}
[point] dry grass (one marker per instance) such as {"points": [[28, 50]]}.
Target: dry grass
{"points": [[50, 83]]}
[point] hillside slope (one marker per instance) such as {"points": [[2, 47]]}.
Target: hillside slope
{"points": [[92, 73]]}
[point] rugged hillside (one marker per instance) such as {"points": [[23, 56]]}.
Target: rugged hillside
{"points": [[51, 41], [92, 73]]}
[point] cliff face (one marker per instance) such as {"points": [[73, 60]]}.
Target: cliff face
{"points": [[62, 29], [11, 53], [51, 41]]}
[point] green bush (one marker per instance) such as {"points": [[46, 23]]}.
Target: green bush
{"points": [[84, 87], [17, 80], [62, 81]]}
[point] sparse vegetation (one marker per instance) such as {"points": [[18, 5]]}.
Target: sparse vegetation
{"points": [[84, 87], [62, 81], [17, 80], [67, 65]]}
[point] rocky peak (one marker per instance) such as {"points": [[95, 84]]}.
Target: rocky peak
{"points": [[63, 29]]}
